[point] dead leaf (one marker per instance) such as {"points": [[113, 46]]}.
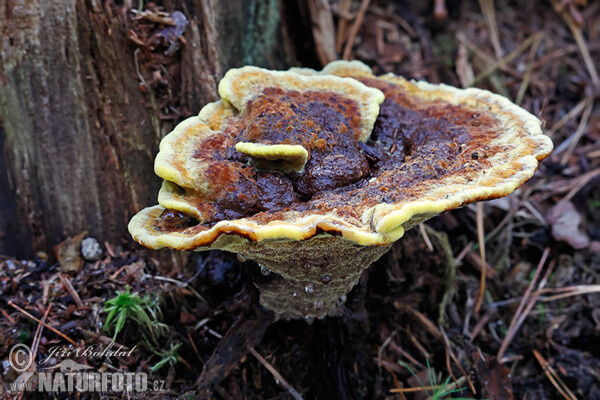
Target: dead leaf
{"points": [[493, 376], [135, 271], [565, 221], [68, 253]]}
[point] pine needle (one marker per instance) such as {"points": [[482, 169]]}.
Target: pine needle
{"points": [[527, 302], [554, 378]]}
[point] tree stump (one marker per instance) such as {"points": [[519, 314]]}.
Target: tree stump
{"points": [[88, 89]]}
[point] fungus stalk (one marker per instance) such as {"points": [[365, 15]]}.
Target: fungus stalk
{"points": [[314, 175], [313, 276]]}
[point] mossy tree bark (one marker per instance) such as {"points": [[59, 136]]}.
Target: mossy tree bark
{"points": [[83, 105]]}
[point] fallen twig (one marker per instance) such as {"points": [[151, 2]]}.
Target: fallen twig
{"points": [[449, 387], [507, 59], [355, 27], [59, 333], [576, 31], [524, 307], [574, 139], [293, 392], [527, 78], [36, 342], [342, 28], [569, 291], [569, 185], [67, 284], [8, 317], [554, 378], [575, 111], [456, 362], [489, 14], [382, 347]]}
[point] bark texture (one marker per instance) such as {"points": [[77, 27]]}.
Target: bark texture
{"points": [[83, 106]]}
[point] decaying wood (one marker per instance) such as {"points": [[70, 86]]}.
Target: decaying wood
{"points": [[323, 30], [244, 334]]}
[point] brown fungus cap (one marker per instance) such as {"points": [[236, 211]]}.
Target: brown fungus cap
{"points": [[314, 174]]}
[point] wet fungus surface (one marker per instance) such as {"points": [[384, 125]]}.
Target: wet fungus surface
{"points": [[315, 174]]}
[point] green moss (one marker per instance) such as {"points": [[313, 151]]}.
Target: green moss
{"points": [[127, 307]]}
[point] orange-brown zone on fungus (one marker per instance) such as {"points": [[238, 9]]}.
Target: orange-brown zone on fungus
{"points": [[415, 144], [291, 117]]}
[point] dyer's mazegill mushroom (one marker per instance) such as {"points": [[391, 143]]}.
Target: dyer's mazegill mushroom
{"points": [[314, 175]]}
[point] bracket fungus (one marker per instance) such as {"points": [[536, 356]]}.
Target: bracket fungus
{"points": [[314, 174]]}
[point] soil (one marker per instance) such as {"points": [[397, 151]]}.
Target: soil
{"points": [[413, 321]]}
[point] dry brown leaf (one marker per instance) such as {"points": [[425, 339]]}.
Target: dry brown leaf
{"points": [[68, 253], [494, 377], [565, 221]]}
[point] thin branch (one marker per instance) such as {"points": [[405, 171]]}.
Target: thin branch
{"points": [[69, 286], [575, 111], [517, 320], [293, 392], [342, 27], [554, 378], [574, 139], [276, 375], [449, 387], [507, 59], [527, 78], [489, 14], [59, 333], [36, 342], [355, 27], [576, 31]]}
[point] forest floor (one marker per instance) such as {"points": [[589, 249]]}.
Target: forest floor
{"points": [[411, 329]]}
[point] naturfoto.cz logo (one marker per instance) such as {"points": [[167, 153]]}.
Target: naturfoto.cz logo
{"points": [[70, 376]]}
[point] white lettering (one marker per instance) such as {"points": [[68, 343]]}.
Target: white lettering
{"points": [[141, 382], [117, 382], [45, 382]]}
